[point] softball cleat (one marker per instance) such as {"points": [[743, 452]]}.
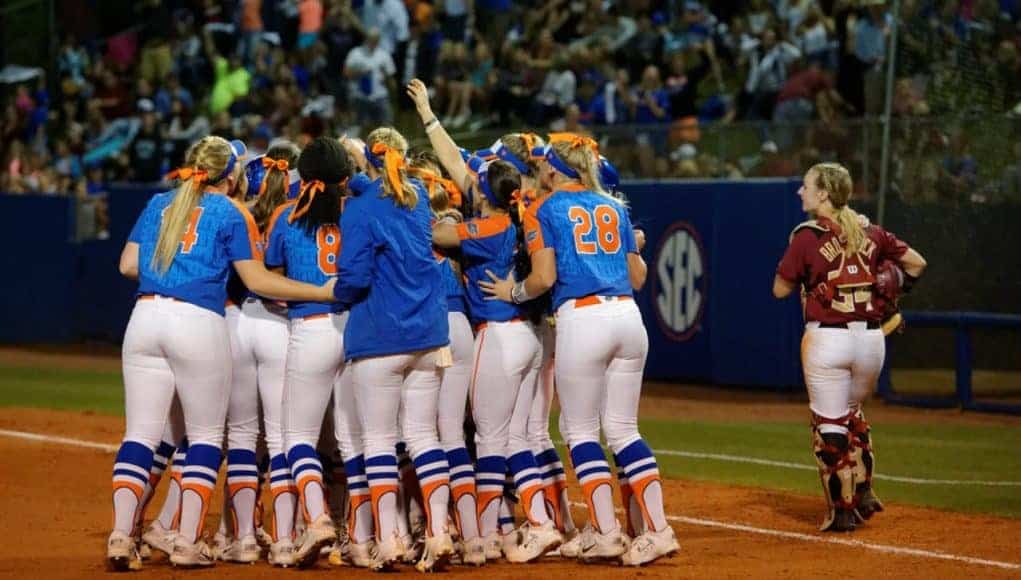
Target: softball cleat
{"points": [[243, 551], [536, 542], [122, 553], [473, 552], [318, 534], [281, 553], [651, 546], [387, 554], [597, 547], [191, 554], [436, 553], [159, 538]]}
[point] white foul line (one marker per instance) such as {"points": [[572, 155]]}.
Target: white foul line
{"points": [[679, 519]]}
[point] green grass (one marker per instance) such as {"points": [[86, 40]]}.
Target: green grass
{"points": [[964, 452]]}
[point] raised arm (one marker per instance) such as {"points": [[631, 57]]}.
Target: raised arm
{"points": [[444, 146]]}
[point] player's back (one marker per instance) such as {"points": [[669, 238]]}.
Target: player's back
{"points": [[306, 256], [200, 269], [591, 235]]}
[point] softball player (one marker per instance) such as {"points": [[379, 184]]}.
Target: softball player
{"points": [[444, 196], [396, 342], [181, 250], [835, 261], [304, 241], [259, 336], [583, 248]]}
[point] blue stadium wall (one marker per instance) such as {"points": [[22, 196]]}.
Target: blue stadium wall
{"points": [[707, 322]]}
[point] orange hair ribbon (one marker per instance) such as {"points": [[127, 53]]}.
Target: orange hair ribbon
{"points": [[517, 199], [575, 141], [393, 162], [309, 189], [186, 173], [432, 180], [279, 164]]}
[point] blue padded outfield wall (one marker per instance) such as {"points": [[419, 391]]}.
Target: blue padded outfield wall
{"points": [[712, 250]]}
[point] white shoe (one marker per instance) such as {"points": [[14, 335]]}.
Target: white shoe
{"points": [[159, 538], [281, 553], [651, 546], [357, 555], [572, 547], [473, 552], [144, 551], [318, 534], [121, 553], [511, 540], [598, 547], [263, 537], [189, 555], [220, 544], [493, 546], [243, 551], [536, 541], [387, 554], [436, 554], [413, 548]]}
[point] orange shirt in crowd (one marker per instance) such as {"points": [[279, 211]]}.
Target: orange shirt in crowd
{"points": [[310, 16], [251, 15]]}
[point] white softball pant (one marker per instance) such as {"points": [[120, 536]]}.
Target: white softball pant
{"points": [[259, 340], [841, 368], [507, 360], [542, 402], [315, 359], [172, 346], [456, 379], [600, 357]]}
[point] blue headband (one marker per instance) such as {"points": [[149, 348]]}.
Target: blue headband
{"points": [[500, 151], [237, 151], [553, 159], [372, 159], [484, 185], [608, 174]]}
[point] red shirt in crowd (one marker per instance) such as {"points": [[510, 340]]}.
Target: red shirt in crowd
{"points": [[805, 85], [815, 257]]}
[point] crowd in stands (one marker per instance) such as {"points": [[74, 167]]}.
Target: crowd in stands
{"points": [[658, 82]]}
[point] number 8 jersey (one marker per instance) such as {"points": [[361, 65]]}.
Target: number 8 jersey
{"points": [[591, 235], [305, 257]]}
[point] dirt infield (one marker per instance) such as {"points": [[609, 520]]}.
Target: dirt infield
{"points": [[56, 513]]}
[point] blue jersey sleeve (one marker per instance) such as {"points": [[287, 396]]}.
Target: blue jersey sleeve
{"points": [[139, 228], [242, 235], [627, 232], [356, 254]]}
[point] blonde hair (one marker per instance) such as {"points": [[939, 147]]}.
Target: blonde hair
{"points": [[583, 159], [209, 156], [521, 145], [395, 174], [835, 179]]}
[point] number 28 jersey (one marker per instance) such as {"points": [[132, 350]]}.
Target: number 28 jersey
{"points": [[310, 258], [220, 231], [591, 236]]}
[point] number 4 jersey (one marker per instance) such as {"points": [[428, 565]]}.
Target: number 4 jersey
{"points": [[220, 231], [305, 257], [591, 235], [838, 287]]}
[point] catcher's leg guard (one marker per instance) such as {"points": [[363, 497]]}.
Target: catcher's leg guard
{"points": [[864, 458], [836, 470]]}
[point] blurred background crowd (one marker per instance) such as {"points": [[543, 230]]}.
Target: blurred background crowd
{"points": [[670, 88]]}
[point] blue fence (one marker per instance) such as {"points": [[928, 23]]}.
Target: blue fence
{"points": [[712, 251]]}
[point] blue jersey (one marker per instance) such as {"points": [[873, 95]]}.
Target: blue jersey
{"points": [[453, 287], [591, 235], [488, 243], [220, 231], [305, 257], [389, 276]]}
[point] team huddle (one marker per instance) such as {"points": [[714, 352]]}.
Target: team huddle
{"points": [[332, 319], [379, 333]]}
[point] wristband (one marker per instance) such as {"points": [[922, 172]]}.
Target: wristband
{"points": [[432, 124], [519, 294]]}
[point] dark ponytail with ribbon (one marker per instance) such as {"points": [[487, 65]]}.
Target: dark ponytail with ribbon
{"points": [[325, 167]]}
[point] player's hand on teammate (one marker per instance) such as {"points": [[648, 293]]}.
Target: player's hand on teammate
{"points": [[639, 239], [419, 94], [498, 288], [327, 289]]}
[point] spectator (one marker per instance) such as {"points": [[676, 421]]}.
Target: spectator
{"points": [[370, 72], [870, 36], [613, 103], [958, 173], [796, 102], [773, 163], [651, 107], [73, 61], [768, 72], [310, 22], [391, 19], [185, 128], [251, 28], [813, 38], [145, 153], [231, 80], [458, 19], [683, 82], [557, 92]]}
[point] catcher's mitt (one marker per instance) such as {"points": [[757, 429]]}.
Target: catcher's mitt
{"points": [[889, 285]]}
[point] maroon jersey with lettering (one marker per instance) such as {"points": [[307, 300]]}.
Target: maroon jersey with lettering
{"points": [[839, 288]]}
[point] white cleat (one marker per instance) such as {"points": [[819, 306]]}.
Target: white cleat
{"points": [[263, 537], [572, 547], [220, 544], [159, 538], [436, 554], [318, 534], [144, 551], [651, 546], [281, 553], [597, 547], [122, 553], [536, 542], [493, 546], [473, 552], [191, 555], [413, 547], [387, 554], [243, 551], [359, 555]]}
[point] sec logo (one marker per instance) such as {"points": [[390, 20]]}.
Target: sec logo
{"points": [[679, 284]]}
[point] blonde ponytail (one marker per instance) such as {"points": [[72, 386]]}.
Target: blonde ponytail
{"points": [[387, 148], [582, 155], [208, 156], [835, 179]]}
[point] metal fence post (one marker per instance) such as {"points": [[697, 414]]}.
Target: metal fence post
{"points": [[884, 164]]}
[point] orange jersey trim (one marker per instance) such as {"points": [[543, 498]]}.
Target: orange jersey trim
{"points": [[254, 237], [483, 227], [533, 231], [276, 216]]}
